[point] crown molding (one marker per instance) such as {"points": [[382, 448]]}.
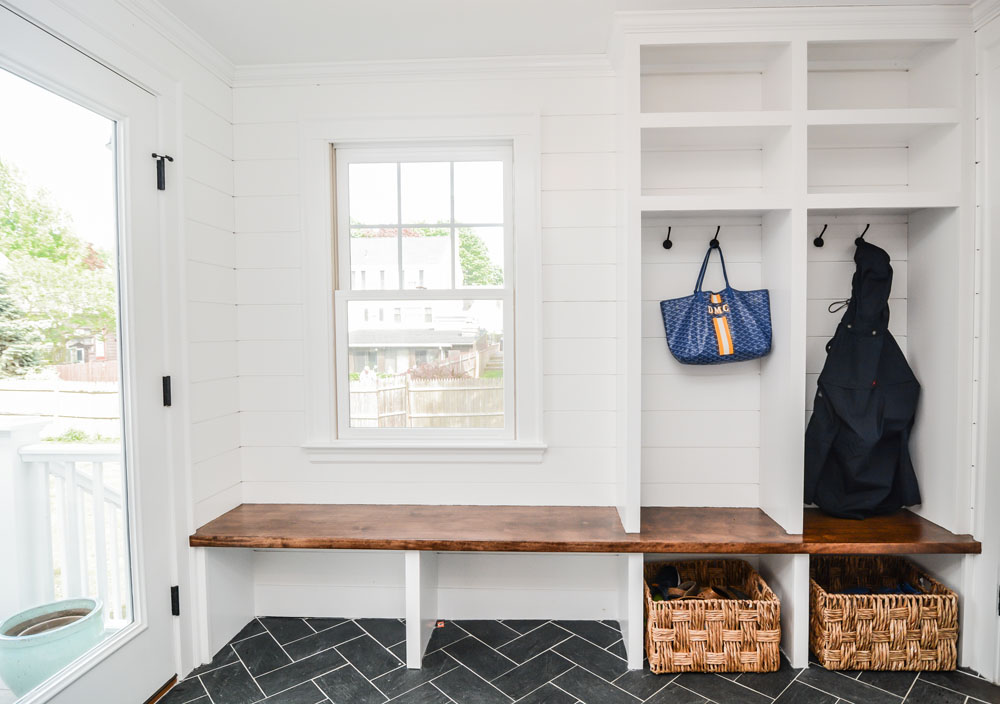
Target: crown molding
{"points": [[957, 17], [984, 11], [557, 66], [183, 37]]}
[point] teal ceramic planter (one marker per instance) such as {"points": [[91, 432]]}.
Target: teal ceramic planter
{"points": [[37, 643]]}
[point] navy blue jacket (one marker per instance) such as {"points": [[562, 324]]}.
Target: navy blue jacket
{"points": [[857, 459]]}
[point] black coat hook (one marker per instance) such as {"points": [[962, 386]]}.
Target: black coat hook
{"points": [[819, 240], [667, 244], [715, 240], [861, 237]]}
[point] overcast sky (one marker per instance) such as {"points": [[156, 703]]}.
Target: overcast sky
{"points": [[62, 148]]}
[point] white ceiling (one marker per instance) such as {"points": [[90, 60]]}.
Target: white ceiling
{"points": [[318, 31]]}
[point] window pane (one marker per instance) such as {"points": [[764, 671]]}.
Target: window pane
{"points": [[372, 189], [427, 258], [374, 257], [426, 364], [479, 192], [426, 192], [479, 261]]}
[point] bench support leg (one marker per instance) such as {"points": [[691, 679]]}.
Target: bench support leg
{"points": [[421, 603], [630, 597], [788, 576]]}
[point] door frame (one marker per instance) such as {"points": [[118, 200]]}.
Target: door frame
{"points": [[95, 41]]}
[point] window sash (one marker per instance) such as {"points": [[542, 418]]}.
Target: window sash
{"points": [[344, 293]]}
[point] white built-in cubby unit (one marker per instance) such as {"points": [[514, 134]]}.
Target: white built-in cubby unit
{"points": [[770, 134]]}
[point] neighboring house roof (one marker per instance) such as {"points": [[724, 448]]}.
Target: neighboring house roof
{"points": [[411, 338]]}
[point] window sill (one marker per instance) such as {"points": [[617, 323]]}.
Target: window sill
{"points": [[437, 453]]}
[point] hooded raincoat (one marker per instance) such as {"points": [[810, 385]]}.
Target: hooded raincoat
{"points": [[857, 459]]}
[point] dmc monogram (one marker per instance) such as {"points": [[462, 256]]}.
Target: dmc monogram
{"points": [[718, 310]]}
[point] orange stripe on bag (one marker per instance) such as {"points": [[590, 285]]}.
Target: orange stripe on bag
{"points": [[716, 298], [723, 336]]}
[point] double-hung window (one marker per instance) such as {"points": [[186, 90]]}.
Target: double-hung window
{"points": [[424, 292]]}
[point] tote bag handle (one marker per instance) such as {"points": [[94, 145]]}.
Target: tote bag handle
{"points": [[704, 268]]}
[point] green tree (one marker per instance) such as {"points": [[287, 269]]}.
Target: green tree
{"points": [[21, 346], [61, 285], [474, 257]]}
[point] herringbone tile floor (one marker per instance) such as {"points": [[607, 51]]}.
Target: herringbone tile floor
{"points": [[321, 660]]}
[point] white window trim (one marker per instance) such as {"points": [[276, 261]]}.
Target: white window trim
{"points": [[318, 208]]}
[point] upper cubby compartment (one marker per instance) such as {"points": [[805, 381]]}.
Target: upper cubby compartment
{"points": [[715, 78], [890, 74]]}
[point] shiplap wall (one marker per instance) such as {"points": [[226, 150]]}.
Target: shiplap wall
{"points": [[701, 424], [578, 232], [206, 163], [829, 274], [578, 217]]}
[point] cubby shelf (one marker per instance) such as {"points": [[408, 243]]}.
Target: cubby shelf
{"points": [[888, 202], [737, 118], [884, 116], [728, 202]]}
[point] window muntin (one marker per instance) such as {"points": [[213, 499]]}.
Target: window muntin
{"points": [[428, 237]]}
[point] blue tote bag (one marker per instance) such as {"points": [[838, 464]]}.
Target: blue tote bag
{"points": [[718, 327]]}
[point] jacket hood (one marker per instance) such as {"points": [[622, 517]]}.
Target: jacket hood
{"points": [[869, 305]]}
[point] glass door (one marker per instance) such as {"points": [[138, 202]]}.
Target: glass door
{"points": [[84, 529]]}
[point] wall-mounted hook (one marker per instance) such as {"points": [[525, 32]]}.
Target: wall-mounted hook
{"points": [[819, 240], [667, 244], [715, 240], [861, 237]]}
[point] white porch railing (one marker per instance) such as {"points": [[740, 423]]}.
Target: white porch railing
{"points": [[73, 524]]}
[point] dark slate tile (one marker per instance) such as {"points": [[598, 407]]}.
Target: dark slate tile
{"points": [[466, 688], [845, 687], [643, 683], [896, 682], [226, 656], [369, 657], [251, 629], [720, 689], [770, 683], [321, 624], [594, 631], [305, 693], [445, 635], [285, 630], [387, 631], [261, 654], [523, 626], [317, 642], [493, 633], [399, 650], [966, 684], [612, 624], [591, 689], [231, 684], [799, 693], [534, 642], [400, 680], [590, 657], [424, 694], [300, 671], [481, 659], [348, 686], [618, 648], [548, 694], [675, 694], [927, 693], [532, 674], [184, 691]]}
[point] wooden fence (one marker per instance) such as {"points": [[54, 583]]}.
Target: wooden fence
{"points": [[402, 401], [88, 371]]}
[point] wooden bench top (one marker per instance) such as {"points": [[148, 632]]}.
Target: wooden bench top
{"points": [[567, 529]]}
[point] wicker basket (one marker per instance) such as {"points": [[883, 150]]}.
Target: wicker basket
{"points": [[714, 635], [880, 631]]}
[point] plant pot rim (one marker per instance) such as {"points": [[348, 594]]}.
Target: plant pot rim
{"points": [[95, 606]]}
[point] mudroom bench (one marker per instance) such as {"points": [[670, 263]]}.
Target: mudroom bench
{"points": [[422, 531]]}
